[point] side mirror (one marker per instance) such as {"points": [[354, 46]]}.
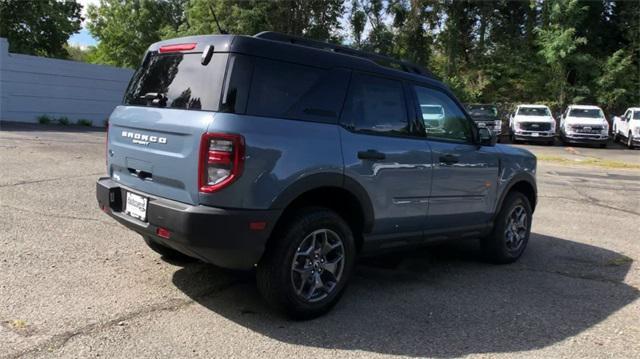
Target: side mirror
{"points": [[486, 136]]}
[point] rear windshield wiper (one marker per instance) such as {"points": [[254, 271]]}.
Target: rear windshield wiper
{"points": [[158, 99]]}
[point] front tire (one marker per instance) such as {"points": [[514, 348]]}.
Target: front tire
{"points": [[307, 264], [630, 140], [511, 230]]}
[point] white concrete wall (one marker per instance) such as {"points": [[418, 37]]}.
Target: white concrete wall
{"points": [[31, 86]]}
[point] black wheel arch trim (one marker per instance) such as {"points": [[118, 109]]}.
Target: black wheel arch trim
{"points": [[518, 178], [320, 180]]}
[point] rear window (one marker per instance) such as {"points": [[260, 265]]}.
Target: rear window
{"points": [[177, 80], [264, 87]]}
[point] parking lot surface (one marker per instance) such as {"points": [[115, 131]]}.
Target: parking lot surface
{"points": [[74, 283]]}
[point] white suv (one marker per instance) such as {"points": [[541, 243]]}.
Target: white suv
{"points": [[584, 124], [628, 127], [532, 123]]}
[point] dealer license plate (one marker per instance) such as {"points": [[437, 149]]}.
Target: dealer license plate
{"points": [[136, 206]]}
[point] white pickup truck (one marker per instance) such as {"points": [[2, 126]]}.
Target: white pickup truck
{"points": [[532, 123], [627, 127], [584, 125]]}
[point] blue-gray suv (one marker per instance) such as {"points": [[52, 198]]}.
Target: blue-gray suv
{"points": [[295, 157]]}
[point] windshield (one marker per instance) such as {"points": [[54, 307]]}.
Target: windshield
{"points": [[636, 115], [482, 110], [533, 111], [177, 80], [588, 113]]}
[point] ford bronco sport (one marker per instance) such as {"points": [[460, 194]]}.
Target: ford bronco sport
{"points": [[295, 156]]}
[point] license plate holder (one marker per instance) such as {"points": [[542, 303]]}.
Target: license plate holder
{"points": [[136, 206]]}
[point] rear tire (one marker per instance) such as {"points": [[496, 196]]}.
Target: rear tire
{"points": [[168, 253], [511, 230], [307, 263]]}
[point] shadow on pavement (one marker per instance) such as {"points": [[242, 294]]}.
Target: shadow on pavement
{"points": [[31, 127], [443, 301]]}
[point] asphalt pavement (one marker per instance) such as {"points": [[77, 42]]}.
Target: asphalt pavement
{"points": [[74, 283]]}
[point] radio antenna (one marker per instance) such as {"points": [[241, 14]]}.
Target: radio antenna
{"points": [[215, 18]]}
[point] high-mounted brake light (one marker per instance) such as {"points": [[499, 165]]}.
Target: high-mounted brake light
{"points": [[221, 160], [177, 48]]}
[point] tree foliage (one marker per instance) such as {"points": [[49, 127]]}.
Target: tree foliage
{"points": [[551, 51], [39, 27]]}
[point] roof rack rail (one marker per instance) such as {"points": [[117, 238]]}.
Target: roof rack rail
{"points": [[378, 59]]}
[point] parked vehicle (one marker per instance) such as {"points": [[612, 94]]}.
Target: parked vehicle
{"points": [[296, 156], [532, 123], [585, 125], [486, 116], [627, 127]]}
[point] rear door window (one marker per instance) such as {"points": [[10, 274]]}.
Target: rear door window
{"points": [[177, 80], [376, 105]]}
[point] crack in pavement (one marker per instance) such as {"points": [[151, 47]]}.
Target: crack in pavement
{"points": [[49, 180], [111, 223], [597, 204], [58, 341]]}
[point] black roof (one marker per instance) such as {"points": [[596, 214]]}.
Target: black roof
{"points": [[308, 52]]}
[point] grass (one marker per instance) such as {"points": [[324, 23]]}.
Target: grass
{"points": [[44, 120], [64, 120], [84, 122], [589, 161]]}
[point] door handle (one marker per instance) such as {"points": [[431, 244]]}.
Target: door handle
{"points": [[371, 155], [449, 159]]}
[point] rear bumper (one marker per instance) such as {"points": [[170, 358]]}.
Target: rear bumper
{"points": [[214, 235]]}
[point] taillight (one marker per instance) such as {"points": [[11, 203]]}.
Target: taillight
{"points": [[221, 160]]}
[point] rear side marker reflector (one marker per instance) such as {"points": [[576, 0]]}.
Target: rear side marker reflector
{"points": [[257, 226], [163, 232], [177, 48]]}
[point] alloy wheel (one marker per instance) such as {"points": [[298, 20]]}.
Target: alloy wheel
{"points": [[516, 229], [318, 265]]}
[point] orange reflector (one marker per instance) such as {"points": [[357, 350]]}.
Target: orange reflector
{"points": [[163, 232], [257, 226]]}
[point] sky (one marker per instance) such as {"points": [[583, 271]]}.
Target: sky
{"points": [[83, 38]]}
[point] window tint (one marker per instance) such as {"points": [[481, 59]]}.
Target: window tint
{"points": [[376, 105], [533, 111], [588, 113], [280, 89], [177, 80], [449, 122]]}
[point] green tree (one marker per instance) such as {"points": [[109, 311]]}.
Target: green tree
{"points": [[316, 19], [39, 27], [126, 28], [558, 43], [616, 89]]}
